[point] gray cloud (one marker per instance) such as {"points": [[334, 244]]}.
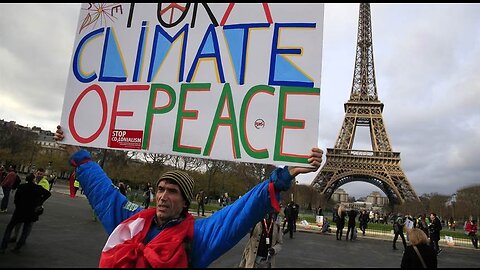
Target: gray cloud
{"points": [[426, 64], [36, 47]]}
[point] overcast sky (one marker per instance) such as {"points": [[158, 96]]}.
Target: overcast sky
{"points": [[427, 67]]}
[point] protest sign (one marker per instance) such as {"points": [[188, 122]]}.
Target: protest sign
{"points": [[226, 81]]}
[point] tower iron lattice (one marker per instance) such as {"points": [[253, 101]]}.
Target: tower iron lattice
{"points": [[381, 166]]}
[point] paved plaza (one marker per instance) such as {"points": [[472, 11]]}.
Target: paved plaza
{"points": [[67, 236]]}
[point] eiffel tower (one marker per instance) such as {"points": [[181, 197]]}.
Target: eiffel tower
{"points": [[380, 167]]}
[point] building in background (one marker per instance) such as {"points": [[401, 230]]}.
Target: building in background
{"points": [[42, 139], [376, 199], [340, 196]]}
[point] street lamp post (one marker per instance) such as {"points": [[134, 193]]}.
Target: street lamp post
{"points": [[49, 168], [453, 200]]}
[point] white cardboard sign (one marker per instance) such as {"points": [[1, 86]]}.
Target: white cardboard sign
{"points": [[226, 81]]}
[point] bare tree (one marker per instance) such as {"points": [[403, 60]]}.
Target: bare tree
{"points": [[412, 207], [213, 167], [468, 201], [185, 163], [153, 158]]}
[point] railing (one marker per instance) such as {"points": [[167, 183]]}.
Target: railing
{"points": [[363, 153], [388, 235]]}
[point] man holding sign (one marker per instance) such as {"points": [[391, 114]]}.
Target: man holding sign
{"points": [[167, 235], [226, 81]]}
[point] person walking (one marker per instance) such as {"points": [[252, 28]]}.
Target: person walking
{"points": [[41, 180], [418, 254], [296, 212], [266, 240], [434, 231], [352, 216], [340, 222], [167, 235], [398, 231], [200, 198], [290, 219], [28, 200], [224, 200], [8, 184], [3, 173], [471, 230], [452, 224], [147, 195], [335, 214], [76, 187], [363, 219], [122, 188]]}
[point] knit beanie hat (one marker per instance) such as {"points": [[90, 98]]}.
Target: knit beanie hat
{"points": [[184, 181]]}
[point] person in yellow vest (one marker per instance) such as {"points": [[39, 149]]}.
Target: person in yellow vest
{"points": [[76, 186], [41, 179]]}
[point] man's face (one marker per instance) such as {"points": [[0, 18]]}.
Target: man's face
{"points": [[39, 175], [170, 202]]}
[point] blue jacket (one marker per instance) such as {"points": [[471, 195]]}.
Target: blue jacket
{"points": [[213, 236]]}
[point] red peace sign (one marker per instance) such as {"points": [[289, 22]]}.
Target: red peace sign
{"points": [[170, 12]]}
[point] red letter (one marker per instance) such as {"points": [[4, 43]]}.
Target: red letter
{"points": [[116, 113], [266, 9], [71, 122]]}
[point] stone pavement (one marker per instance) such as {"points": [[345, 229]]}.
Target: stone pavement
{"points": [[67, 236], [62, 187]]}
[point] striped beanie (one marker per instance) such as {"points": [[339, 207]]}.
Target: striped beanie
{"points": [[184, 181]]}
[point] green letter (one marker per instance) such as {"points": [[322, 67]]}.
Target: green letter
{"points": [[186, 114], [151, 110], [230, 120], [255, 153], [283, 123]]}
